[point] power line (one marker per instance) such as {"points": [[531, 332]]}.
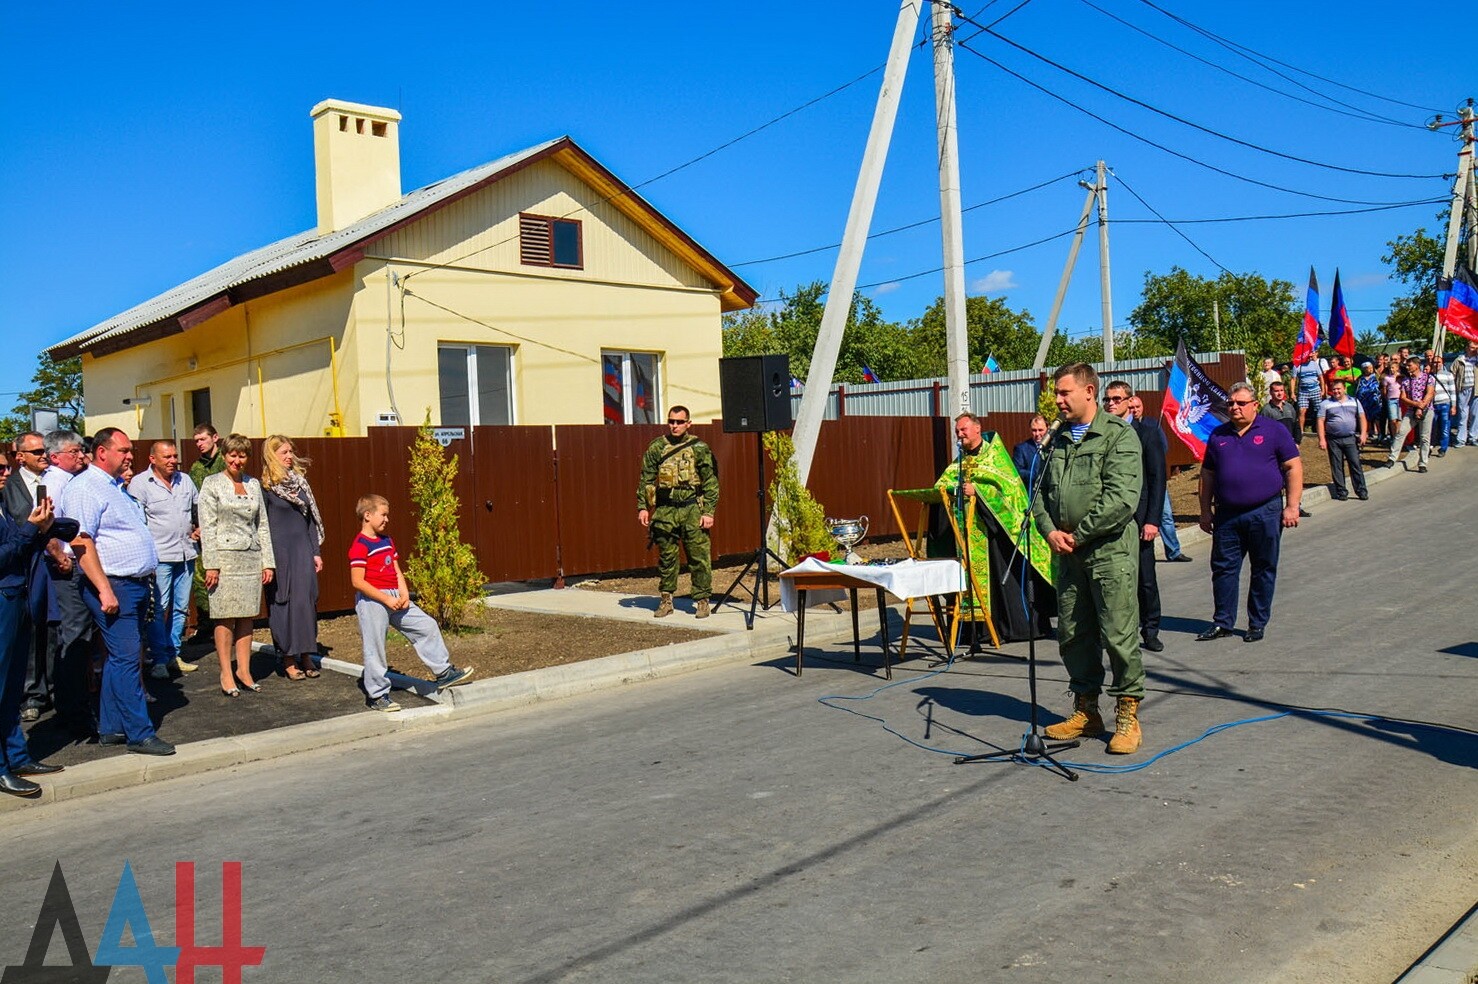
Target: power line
{"points": [[1174, 228], [668, 173], [911, 225], [1359, 114], [1159, 146], [1197, 126], [1247, 52], [1284, 215]]}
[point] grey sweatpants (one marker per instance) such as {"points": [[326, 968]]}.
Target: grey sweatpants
{"points": [[421, 629]]}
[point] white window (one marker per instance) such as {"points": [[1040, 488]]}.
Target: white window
{"points": [[476, 384], [630, 387]]}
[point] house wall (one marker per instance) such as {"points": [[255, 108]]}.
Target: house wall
{"points": [[466, 284], [286, 334]]}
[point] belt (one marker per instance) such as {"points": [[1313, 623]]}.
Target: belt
{"points": [[139, 578]]}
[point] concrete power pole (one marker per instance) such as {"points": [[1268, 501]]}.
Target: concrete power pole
{"points": [[951, 219], [1460, 197], [849, 259], [1105, 299], [1067, 276]]}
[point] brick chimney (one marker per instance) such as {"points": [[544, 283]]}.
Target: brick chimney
{"points": [[356, 156]]}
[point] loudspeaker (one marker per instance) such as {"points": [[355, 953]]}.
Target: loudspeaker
{"points": [[755, 392]]}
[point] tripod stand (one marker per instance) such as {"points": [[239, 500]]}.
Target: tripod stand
{"points": [[762, 555], [1033, 749]]}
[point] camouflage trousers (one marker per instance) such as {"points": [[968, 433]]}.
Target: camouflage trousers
{"points": [[682, 525]]}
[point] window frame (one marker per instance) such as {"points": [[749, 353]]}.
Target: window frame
{"points": [[474, 401], [628, 389], [549, 222]]}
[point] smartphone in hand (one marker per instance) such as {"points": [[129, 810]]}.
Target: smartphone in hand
{"points": [[40, 494]]}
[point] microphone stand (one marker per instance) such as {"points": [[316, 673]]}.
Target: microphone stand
{"points": [[1033, 749]]}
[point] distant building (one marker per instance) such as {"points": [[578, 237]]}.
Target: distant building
{"points": [[534, 289]]}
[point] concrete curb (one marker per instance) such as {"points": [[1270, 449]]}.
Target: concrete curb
{"points": [[471, 700], [1454, 960]]}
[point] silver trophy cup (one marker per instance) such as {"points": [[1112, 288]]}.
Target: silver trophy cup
{"points": [[848, 533]]}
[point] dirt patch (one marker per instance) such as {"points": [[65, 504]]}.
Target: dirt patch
{"points": [[646, 584], [496, 641]]}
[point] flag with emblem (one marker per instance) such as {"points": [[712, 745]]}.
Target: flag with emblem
{"points": [[1308, 336], [1457, 303], [1194, 405]]}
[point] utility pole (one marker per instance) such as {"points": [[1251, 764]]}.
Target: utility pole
{"points": [[951, 220], [849, 258], [1216, 320], [1460, 197], [1105, 300], [1067, 276]]}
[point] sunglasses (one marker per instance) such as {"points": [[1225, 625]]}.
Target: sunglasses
{"points": [[1241, 403], [670, 420]]}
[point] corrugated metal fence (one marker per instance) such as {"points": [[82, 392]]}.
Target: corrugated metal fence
{"points": [[550, 502]]}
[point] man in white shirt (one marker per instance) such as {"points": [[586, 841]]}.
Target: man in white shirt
{"points": [[1465, 408], [168, 498]]}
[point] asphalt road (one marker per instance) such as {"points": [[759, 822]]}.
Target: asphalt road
{"points": [[725, 826]]}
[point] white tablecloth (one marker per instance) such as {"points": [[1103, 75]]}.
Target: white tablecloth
{"points": [[905, 579]]}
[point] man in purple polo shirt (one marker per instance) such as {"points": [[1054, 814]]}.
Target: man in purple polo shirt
{"points": [[1251, 462]]}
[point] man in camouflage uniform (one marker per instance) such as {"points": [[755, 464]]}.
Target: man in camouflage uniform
{"points": [[675, 499], [1086, 511]]}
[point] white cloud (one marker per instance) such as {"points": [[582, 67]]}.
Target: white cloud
{"points": [[887, 288], [995, 282]]}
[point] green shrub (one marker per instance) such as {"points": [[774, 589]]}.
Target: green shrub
{"points": [[442, 569], [799, 526]]}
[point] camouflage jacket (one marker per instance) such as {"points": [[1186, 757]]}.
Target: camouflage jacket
{"points": [[685, 476]]}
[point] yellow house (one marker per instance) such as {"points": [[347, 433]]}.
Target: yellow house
{"points": [[534, 289]]}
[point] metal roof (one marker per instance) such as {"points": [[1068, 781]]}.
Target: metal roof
{"points": [[312, 256]]}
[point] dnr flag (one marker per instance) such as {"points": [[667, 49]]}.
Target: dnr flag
{"points": [[868, 376], [1194, 406], [1341, 332], [1308, 337], [1457, 303]]}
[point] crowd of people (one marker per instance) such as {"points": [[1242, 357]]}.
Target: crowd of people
{"points": [[99, 563]]}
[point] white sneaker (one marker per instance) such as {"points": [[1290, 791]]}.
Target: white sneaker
{"points": [[185, 667], [159, 671]]}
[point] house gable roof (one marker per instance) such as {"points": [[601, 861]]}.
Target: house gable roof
{"points": [[308, 256]]}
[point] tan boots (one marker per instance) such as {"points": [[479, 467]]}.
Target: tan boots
{"points": [[1127, 736], [703, 610], [664, 607], [1085, 722]]}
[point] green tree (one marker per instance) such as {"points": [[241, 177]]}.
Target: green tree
{"points": [[1416, 261], [1259, 316], [799, 527], [443, 568], [991, 328], [55, 386]]}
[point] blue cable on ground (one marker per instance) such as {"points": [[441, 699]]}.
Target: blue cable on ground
{"points": [[1095, 767]]}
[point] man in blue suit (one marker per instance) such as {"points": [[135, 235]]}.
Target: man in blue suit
{"points": [[1027, 456]]}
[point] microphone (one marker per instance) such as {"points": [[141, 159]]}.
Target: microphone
{"points": [[1052, 431]]}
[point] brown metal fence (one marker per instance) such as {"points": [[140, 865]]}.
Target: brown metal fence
{"points": [[541, 502]]}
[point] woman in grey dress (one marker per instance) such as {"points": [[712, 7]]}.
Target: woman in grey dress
{"points": [[297, 541], [236, 552]]}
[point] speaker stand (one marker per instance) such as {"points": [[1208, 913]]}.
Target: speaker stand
{"points": [[759, 561]]}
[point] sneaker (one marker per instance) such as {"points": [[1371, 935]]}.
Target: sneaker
{"points": [[184, 667], [452, 677], [30, 714], [1421, 469], [383, 703], [159, 671]]}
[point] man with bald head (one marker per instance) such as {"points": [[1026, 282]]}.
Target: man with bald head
{"points": [[167, 496]]}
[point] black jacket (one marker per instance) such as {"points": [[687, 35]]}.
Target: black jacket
{"points": [[1152, 494]]}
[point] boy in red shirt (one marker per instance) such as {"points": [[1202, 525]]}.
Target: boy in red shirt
{"points": [[382, 600]]}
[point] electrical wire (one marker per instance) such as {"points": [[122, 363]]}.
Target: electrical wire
{"points": [[912, 225], [1174, 228], [1199, 127], [1358, 113], [624, 192], [1162, 147], [1285, 215], [1246, 52]]}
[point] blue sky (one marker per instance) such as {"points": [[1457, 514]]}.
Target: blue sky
{"points": [[147, 144]]}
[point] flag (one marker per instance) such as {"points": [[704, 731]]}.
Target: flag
{"points": [[796, 384], [1308, 336], [1457, 303], [991, 365], [1194, 406], [1341, 332], [868, 376]]}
